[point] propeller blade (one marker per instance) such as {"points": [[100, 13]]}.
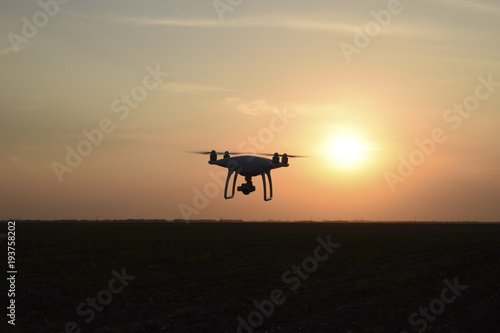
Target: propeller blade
{"points": [[242, 153], [280, 155], [297, 156], [199, 152], [218, 153]]}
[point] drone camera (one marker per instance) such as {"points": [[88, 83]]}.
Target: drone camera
{"points": [[247, 187]]}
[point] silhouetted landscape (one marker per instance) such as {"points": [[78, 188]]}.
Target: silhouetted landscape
{"points": [[153, 276]]}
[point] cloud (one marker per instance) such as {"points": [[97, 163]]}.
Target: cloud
{"points": [[277, 22], [16, 159], [296, 23], [192, 88], [9, 49], [6, 50], [476, 5], [254, 108], [291, 22]]}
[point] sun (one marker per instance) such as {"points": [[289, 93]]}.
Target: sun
{"points": [[347, 151]]}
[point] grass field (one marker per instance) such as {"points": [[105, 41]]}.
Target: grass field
{"points": [[202, 277]]}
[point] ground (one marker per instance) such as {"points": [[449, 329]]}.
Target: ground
{"points": [[224, 277]]}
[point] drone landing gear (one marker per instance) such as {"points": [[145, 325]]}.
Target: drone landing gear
{"points": [[229, 173], [268, 173], [248, 187]]}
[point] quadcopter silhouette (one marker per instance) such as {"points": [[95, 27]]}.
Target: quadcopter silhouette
{"points": [[248, 166]]}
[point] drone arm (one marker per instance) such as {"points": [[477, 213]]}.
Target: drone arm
{"points": [[268, 173], [229, 173]]}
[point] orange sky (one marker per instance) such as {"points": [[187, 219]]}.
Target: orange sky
{"points": [[99, 103]]}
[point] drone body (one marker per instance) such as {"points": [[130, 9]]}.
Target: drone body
{"points": [[248, 166]]}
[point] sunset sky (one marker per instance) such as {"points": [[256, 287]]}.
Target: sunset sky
{"points": [[397, 105]]}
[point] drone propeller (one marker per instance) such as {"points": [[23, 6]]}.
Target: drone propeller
{"points": [[218, 153], [242, 153], [280, 155]]}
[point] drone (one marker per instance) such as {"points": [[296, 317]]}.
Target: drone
{"points": [[248, 166]]}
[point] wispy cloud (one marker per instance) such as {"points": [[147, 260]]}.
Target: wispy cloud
{"points": [[298, 23], [277, 22], [6, 50], [292, 22], [475, 5], [254, 108], [16, 159], [9, 49], [192, 88]]}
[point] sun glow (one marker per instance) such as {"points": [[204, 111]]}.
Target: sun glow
{"points": [[347, 151]]}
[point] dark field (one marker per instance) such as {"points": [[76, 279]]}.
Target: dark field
{"points": [[200, 277]]}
